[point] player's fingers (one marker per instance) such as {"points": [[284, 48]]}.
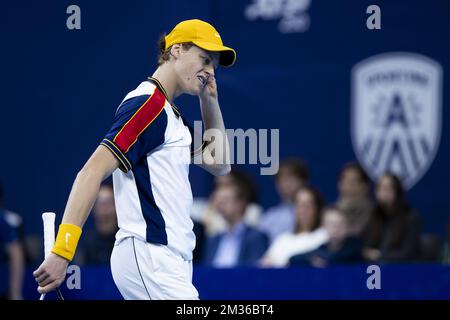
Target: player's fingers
{"points": [[41, 278], [49, 287], [38, 272], [212, 83], [46, 281]]}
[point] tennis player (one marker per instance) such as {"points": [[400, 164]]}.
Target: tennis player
{"points": [[148, 151]]}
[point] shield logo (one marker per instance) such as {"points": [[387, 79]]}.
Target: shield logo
{"points": [[396, 114]]}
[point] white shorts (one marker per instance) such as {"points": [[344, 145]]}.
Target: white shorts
{"points": [[146, 271]]}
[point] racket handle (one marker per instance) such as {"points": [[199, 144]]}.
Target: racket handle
{"points": [[49, 232], [48, 218]]}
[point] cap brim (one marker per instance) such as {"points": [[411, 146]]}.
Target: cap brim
{"points": [[227, 55]]}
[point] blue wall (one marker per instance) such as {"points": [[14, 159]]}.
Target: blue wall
{"points": [[337, 282], [60, 88]]}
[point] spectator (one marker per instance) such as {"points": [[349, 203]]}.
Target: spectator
{"points": [[241, 244], [394, 232], [292, 175], [98, 244], [11, 258], [354, 199], [206, 212], [307, 234], [15, 221], [341, 246]]}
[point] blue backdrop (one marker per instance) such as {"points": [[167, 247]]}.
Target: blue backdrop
{"points": [[60, 87], [338, 282]]}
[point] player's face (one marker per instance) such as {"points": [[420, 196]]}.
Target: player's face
{"points": [[195, 67]]}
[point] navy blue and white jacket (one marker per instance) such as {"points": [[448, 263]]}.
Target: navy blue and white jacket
{"points": [[152, 191]]}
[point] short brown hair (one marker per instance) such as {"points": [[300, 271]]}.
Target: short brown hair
{"points": [[245, 184], [296, 167], [164, 55], [363, 176]]}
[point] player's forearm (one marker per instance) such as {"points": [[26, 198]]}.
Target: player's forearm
{"points": [[82, 197], [213, 121]]}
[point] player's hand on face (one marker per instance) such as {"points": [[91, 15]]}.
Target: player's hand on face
{"points": [[209, 90], [51, 273]]}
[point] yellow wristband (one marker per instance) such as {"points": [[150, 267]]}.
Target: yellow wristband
{"points": [[67, 240]]}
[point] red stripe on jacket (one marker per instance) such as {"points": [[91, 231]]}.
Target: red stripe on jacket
{"points": [[141, 119]]}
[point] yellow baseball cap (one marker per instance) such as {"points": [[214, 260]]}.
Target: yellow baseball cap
{"points": [[203, 35]]}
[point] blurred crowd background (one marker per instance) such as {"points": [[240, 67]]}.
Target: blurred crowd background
{"points": [[362, 116], [367, 223]]}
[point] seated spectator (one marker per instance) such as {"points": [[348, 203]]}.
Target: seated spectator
{"points": [[240, 244], [97, 245], [307, 234], [354, 199], [11, 259], [292, 175], [205, 212], [15, 221], [394, 232], [341, 246]]}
